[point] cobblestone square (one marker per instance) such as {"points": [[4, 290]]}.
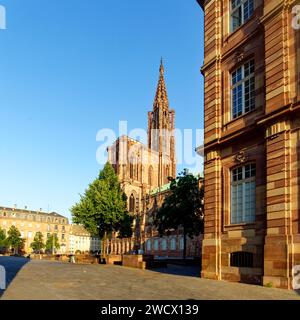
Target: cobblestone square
{"points": [[44, 280]]}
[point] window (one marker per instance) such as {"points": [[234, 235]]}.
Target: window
{"points": [[173, 244], [62, 237], [243, 194], [163, 244], [243, 89], [181, 243], [241, 11], [150, 176], [148, 245], [241, 259], [156, 244], [63, 228], [48, 228], [131, 167], [29, 234], [137, 171], [132, 203], [167, 173]]}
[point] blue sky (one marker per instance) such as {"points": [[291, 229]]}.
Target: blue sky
{"points": [[70, 68]]}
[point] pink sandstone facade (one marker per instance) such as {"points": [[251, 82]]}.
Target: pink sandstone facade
{"points": [[252, 148]]}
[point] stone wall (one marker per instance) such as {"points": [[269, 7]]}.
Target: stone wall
{"points": [[267, 136]]}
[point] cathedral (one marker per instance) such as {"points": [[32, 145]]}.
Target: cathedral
{"points": [[144, 172], [142, 168]]}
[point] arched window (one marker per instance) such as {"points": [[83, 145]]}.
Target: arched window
{"points": [[167, 173], [150, 176], [163, 244], [156, 245], [173, 244], [148, 245], [132, 204], [131, 167], [131, 170]]}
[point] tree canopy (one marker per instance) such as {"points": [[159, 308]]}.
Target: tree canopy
{"points": [[38, 243], [103, 209], [2, 238], [14, 239], [52, 243], [183, 207]]}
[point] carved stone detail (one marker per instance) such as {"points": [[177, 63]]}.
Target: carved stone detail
{"points": [[241, 157]]}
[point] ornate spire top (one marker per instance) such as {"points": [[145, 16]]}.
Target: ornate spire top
{"points": [[161, 69], [161, 97]]}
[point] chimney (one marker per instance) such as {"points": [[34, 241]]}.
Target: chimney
{"points": [[25, 207]]}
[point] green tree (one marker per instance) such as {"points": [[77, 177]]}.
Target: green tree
{"points": [[38, 242], [103, 209], [52, 243], [124, 226], [183, 208], [2, 238], [14, 239]]}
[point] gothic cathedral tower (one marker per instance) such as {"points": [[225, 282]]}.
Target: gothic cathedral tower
{"points": [[161, 126]]}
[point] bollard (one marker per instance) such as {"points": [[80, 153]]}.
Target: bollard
{"points": [[2, 278]]}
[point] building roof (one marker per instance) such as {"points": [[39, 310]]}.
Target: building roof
{"points": [[26, 211], [163, 188], [79, 230]]}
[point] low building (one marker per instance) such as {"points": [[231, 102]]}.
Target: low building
{"points": [[81, 241], [30, 222], [171, 246]]}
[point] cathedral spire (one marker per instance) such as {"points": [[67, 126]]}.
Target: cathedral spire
{"points": [[161, 68], [161, 98]]}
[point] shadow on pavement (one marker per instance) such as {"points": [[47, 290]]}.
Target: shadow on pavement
{"points": [[179, 270], [12, 266]]}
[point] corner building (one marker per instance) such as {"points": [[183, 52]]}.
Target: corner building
{"points": [[252, 149]]}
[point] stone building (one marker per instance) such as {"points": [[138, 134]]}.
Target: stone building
{"points": [[81, 241], [169, 246], [143, 172], [252, 150], [30, 222]]}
